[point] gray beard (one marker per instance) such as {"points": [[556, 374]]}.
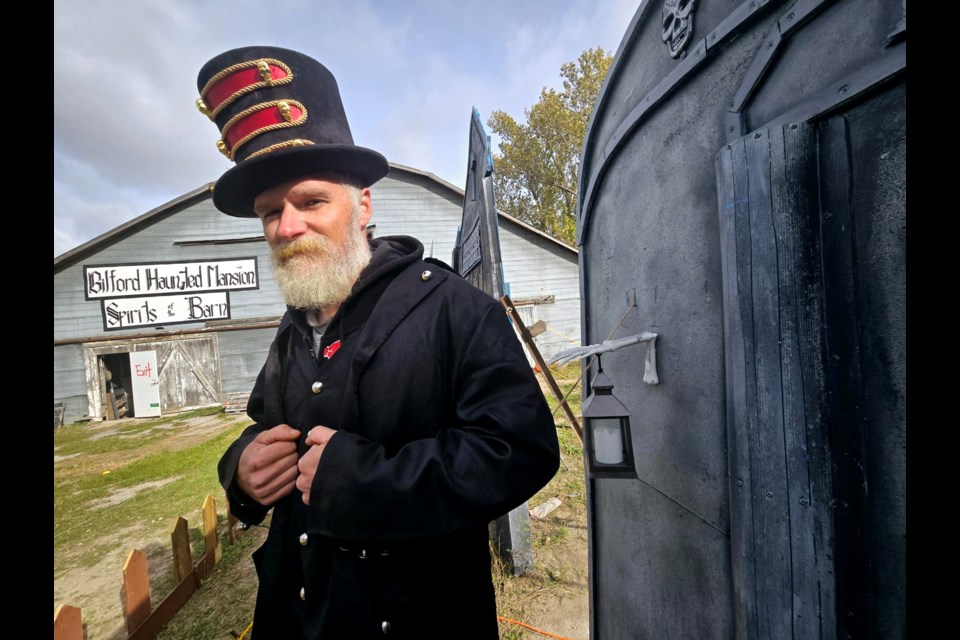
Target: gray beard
{"points": [[323, 276]]}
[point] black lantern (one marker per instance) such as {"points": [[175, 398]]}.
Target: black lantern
{"points": [[607, 432]]}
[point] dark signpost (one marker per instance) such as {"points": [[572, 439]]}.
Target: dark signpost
{"points": [[476, 257], [744, 173]]}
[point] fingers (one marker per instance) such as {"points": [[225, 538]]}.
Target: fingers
{"points": [[320, 435], [280, 487], [305, 481], [279, 433], [269, 468], [264, 457], [307, 466], [261, 464], [300, 484], [268, 477]]}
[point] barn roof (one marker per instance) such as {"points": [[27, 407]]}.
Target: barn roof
{"points": [[180, 203]]}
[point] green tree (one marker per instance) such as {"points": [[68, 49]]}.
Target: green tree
{"points": [[535, 171]]}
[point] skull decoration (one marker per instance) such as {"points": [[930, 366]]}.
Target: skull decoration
{"points": [[677, 25]]}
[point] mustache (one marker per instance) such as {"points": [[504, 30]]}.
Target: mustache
{"points": [[302, 246]]}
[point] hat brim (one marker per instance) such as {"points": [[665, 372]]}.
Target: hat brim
{"points": [[237, 189]]}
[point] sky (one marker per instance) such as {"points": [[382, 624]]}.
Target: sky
{"points": [[128, 138]]}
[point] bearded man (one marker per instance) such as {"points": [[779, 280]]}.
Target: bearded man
{"points": [[396, 414]]}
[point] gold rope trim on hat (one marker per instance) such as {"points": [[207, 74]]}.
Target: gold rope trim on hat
{"points": [[282, 105], [298, 142], [268, 81]]}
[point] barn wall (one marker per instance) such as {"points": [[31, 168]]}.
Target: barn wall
{"points": [[410, 204], [405, 203], [242, 354], [532, 274], [78, 318], [69, 381]]}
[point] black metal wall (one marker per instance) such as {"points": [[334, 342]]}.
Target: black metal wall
{"points": [[750, 197]]}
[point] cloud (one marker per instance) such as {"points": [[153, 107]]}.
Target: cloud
{"points": [[128, 138], [81, 210]]}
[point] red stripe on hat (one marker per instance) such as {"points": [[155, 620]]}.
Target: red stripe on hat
{"points": [[237, 81], [253, 123]]}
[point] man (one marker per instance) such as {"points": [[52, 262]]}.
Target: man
{"points": [[396, 415]]}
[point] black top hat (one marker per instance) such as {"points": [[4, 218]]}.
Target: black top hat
{"points": [[280, 117]]}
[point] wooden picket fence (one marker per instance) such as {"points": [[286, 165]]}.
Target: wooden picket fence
{"points": [[143, 621]]}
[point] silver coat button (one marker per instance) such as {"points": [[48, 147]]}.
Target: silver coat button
{"points": [[303, 594], [385, 627], [426, 275], [303, 539], [316, 386]]}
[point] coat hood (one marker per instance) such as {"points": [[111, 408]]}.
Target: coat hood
{"points": [[390, 254]]}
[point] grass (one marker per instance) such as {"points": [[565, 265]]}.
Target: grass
{"points": [[138, 452], [122, 487], [224, 605], [77, 521], [566, 378], [559, 545], [560, 564], [84, 438], [555, 534]]}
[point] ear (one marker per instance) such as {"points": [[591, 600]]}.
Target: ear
{"points": [[366, 207]]}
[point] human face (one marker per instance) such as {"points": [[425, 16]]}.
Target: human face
{"points": [[310, 206], [315, 230]]}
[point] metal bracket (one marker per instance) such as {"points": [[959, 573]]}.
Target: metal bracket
{"points": [[796, 17]]}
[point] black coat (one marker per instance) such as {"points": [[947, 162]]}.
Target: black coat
{"points": [[442, 428]]}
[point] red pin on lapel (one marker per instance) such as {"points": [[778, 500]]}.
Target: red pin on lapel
{"points": [[331, 349]]}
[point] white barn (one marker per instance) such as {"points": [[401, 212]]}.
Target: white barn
{"points": [[178, 281]]}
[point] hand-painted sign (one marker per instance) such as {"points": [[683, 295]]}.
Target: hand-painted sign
{"points": [[145, 383], [179, 308], [138, 280]]}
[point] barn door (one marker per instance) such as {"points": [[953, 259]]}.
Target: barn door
{"points": [[812, 229], [189, 370], [144, 383]]}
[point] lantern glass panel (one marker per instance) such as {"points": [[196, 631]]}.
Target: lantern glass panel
{"points": [[607, 440]]}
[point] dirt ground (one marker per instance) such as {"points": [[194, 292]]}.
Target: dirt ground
{"points": [[97, 587], [552, 598]]}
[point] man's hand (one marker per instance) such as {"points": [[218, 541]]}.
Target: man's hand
{"points": [[317, 439], [267, 470]]}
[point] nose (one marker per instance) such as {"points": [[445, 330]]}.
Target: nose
{"points": [[291, 224]]}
